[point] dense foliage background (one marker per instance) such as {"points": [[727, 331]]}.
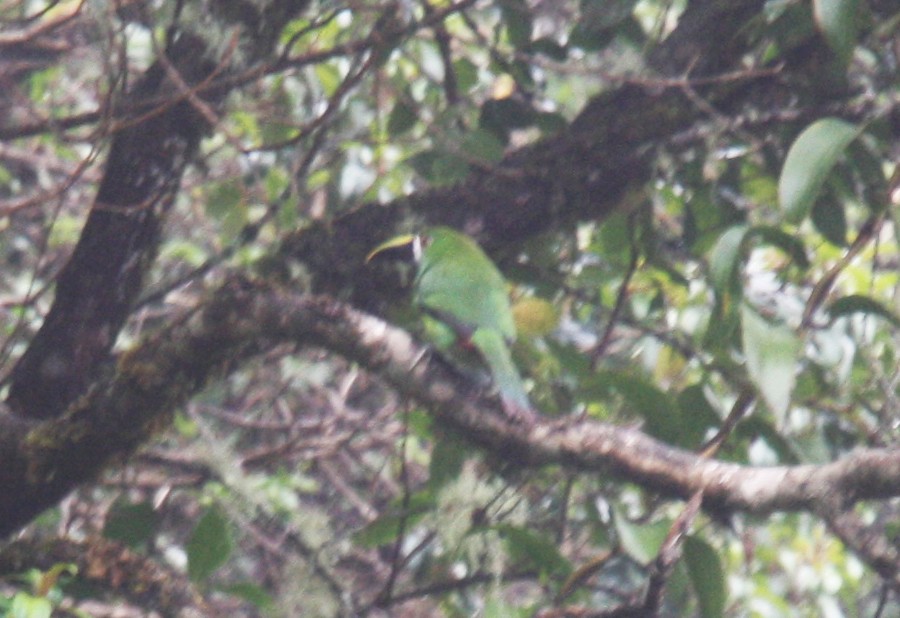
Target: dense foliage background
{"points": [[695, 204]]}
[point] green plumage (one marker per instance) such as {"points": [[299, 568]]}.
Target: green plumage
{"points": [[458, 285]]}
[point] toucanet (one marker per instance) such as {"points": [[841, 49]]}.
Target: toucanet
{"points": [[465, 301]]}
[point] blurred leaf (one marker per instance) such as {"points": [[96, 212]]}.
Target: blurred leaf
{"points": [[251, 593], [384, 529], [277, 182], [420, 424], [857, 303], [226, 203], [209, 546], [551, 122], [26, 606], [613, 239], [447, 457], [791, 26], [808, 163], [725, 257], [498, 608], [771, 351], [483, 146], [466, 74], [789, 243], [641, 541], [65, 231], [830, 220], [707, 577], [550, 48], [439, 167], [869, 174], [448, 169], [534, 316], [697, 415], [590, 40], [500, 116], [132, 524], [599, 15], [247, 123], [517, 17], [329, 77], [757, 185], [757, 426], [401, 119], [657, 409], [836, 19], [274, 132], [531, 549]]}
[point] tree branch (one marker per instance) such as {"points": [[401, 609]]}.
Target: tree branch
{"points": [[44, 461], [111, 567]]}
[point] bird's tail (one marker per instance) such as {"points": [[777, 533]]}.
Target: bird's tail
{"points": [[494, 350]]}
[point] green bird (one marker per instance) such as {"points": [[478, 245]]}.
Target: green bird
{"points": [[464, 299]]}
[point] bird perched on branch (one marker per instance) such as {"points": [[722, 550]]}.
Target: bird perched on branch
{"points": [[465, 302]]}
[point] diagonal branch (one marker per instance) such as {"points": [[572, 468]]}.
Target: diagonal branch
{"points": [[46, 460]]}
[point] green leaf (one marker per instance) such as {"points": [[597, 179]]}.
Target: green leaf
{"points": [[447, 457], [251, 593], [757, 185], [868, 172], [613, 239], [550, 48], [707, 577], [857, 303], [498, 608], [385, 529], [132, 524], [830, 220], [483, 146], [209, 546], [466, 74], [226, 203], [401, 119], [277, 181], [836, 19], [529, 548], [329, 77], [582, 37], [381, 531], [658, 410], [599, 15], [789, 243], [809, 161], [696, 414], [26, 606], [502, 115], [725, 257], [517, 17], [449, 169], [439, 167], [757, 427], [641, 541], [771, 351], [551, 122]]}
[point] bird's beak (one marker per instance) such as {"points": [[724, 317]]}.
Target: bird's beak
{"points": [[405, 246]]}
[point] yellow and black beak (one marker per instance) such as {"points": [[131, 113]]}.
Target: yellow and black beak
{"points": [[406, 247]]}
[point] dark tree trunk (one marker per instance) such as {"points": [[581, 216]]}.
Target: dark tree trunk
{"points": [[154, 139]]}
